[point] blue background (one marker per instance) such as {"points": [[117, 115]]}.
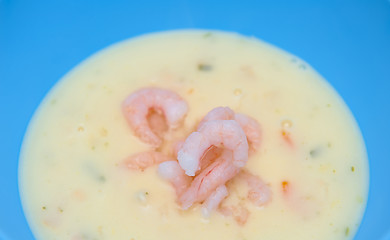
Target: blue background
{"points": [[348, 42]]}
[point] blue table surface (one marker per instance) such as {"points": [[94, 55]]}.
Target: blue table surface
{"points": [[348, 42]]}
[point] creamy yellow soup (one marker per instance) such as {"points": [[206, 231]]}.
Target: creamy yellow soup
{"points": [[73, 185]]}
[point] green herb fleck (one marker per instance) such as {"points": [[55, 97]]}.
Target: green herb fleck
{"points": [[44, 208], [329, 144], [353, 169], [60, 210], [54, 101], [93, 147], [146, 193], [347, 231], [102, 179], [208, 34], [204, 67], [315, 152], [302, 66], [328, 105]]}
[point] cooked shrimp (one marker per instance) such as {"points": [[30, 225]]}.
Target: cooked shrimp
{"points": [[252, 130], [219, 133], [209, 155], [172, 172], [213, 201], [143, 160], [259, 193], [250, 126], [216, 174], [218, 113], [140, 104]]}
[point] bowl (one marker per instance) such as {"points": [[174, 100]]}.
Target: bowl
{"points": [[348, 42]]}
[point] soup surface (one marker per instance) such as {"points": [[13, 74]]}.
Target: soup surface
{"points": [[312, 156]]}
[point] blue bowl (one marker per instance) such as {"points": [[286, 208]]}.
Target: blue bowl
{"points": [[348, 42]]}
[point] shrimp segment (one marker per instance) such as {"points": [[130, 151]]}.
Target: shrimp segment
{"points": [[143, 160], [218, 113], [209, 155], [252, 130], [191, 151], [139, 105], [219, 133], [172, 172], [215, 175], [214, 200], [250, 126]]}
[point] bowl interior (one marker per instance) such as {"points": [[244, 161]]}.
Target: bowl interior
{"points": [[347, 42]]}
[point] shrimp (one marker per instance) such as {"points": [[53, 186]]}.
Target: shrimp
{"points": [[216, 174], [172, 172], [218, 133], [218, 113], [214, 200], [144, 103], [252, 130], [250, 126], [143, 160], [259, 193], [209, 155]]}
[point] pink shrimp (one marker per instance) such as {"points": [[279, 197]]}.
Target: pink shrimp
{"points": [[218, 133], [252, 130], [250, 126], [172, 172], [214, 200], [209, 155], [218, 113], [142, 106], [143, 160], [259, 193], [216, 174]]}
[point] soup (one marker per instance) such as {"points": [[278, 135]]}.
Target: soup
{"points": [[311, 156]]}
